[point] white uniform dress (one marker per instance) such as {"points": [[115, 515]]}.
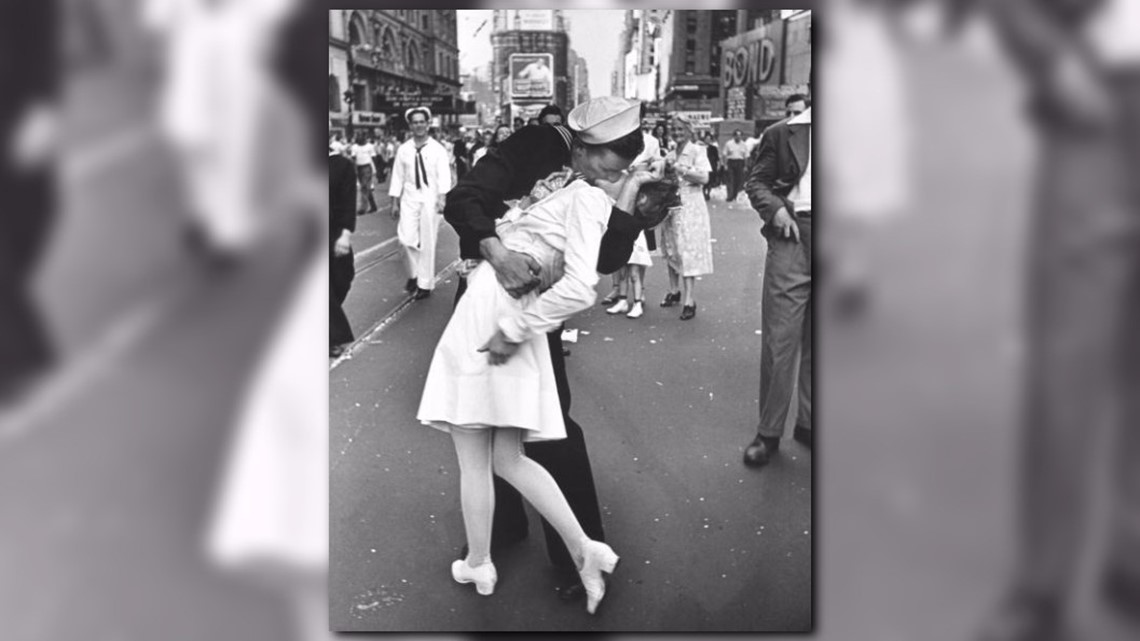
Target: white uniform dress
{"points": [[563, 233]]}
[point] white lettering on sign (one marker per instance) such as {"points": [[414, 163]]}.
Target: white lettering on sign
{"points": [[749, 64]]}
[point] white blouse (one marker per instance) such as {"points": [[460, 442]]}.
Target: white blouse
{"points": [[563, 232]]}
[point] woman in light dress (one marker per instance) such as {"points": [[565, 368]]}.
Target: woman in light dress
{"points": [[685, 235], [491, 382]]}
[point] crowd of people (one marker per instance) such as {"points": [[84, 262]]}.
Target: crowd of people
{"points": [[542, 210]]}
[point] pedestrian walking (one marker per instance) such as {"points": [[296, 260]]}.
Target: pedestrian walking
{"points": [[362, 153], [421, 177], [598, 143], [735, 153], [342, 222], [686, 238], [713, 151], [779, 188]]}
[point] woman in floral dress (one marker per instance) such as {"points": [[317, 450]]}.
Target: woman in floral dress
{"points": [[686, 237]]}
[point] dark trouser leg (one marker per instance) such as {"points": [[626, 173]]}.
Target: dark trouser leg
{"points": [[735, 178], [786, 298], [1082, 261], [1124, 541], [25, 229], [341, 273], [803, 410]]}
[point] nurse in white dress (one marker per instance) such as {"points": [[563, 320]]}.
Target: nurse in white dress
{"points": [[491, 384]]}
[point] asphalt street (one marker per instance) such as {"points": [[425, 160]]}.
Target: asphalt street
{"points": [[667, 407]]}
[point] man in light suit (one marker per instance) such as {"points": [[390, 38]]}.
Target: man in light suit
{"points": [[779, 187], [1082, 62]]}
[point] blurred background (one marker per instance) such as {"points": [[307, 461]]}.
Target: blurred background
{"points": [[137, 341]]}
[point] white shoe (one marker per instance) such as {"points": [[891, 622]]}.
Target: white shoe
{"points": [[597, 557], [484, 577], [620, 307], [636, 311]]}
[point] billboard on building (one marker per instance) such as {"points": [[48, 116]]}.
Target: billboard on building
{"points": [[532, 75], [530, 19]]}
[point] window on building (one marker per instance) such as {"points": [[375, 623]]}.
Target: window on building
{"points": [[690, 66], [388, 45], [354, 35], [334, 93], [359, 95], [690, 46], [424, 21]]}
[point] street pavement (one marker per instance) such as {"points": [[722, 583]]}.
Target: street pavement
{"points": [[667, 407]]}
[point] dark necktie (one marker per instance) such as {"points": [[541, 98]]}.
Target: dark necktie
{"points": [[420, 168]]}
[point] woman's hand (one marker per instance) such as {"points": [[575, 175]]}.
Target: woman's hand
{"points": [[499, 349]]}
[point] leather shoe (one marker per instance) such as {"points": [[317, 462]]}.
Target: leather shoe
{"points": [[760, 450], [802, 435], [337, 350], [410, 286], [422, 294], [671, 299], [688, 311]]}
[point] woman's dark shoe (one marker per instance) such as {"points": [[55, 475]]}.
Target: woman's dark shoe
{"points": [[760, 451], [688, 311], [671, 299], [410, 286]]}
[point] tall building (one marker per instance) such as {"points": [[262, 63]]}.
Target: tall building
{"points": [[579, 81], [530, 61], [389, 60], [640, 54], [690, 65], [764, 65]]}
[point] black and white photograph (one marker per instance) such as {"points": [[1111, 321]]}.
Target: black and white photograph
{"points": [[180, 460], [530, 206]]}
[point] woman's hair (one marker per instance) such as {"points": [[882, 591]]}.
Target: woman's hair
{"points": [[628, 146], [655, 199]]}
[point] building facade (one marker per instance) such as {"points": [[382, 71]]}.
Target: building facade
{"points": [[763, 66], [689, 71], [382, 62]]}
